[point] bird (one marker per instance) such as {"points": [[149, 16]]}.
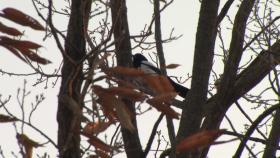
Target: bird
{"points": [[141, 62]]}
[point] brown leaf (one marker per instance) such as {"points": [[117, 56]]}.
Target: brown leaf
{"points": [[113, 104], [125, 71], [26, 141], [15, 52], [24, 47], [126, 92], [9, 30], [123, 114], [153, 82], [163, 98], [102, 154], [21, 18], [164, 108], [158, 83], [5, 118], [198, 140], [19, 44], [99, 144], [122, 83], [96, 127], [107, 107], [34, 57], [28, 144], [172, 66]]}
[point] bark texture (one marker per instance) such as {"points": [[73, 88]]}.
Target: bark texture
{"points": [[203, 57], [69, 102], [132, 143]]}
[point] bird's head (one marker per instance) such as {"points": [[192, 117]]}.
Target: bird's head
{"points": [[138, 59]]}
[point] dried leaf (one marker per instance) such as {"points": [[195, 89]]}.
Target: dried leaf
{"points": [[19, 44], [34, 57], [24, 47], [9, 30], [123, 114], [102, 154], [153, 82], [96, 127], [107, 107], [21, 18], [126, 92], [126, 71], [99, 144], [198, 140], [163, 98], [28, 144], [113, 104], [122, 83], [164, 108], [160, 84], [172, 66], [26, 141], [5, 118]]}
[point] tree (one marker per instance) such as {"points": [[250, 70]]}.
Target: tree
{"points": [[97, 96]]}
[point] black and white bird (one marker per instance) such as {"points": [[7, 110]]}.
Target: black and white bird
{"points": [[141, 62]]}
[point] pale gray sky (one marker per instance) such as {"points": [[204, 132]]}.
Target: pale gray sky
{"points": [[181, 15]]}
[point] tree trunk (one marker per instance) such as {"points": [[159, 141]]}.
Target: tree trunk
{"points": [[69, 102], [274, 137], [203, 58], [132, 143]]}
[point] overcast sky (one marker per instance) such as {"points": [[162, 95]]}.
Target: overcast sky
{"points": [[181, 15]]}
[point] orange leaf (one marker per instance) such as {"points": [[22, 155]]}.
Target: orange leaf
{"points": [[21, 18], [124, 115], [28, 144], [112, 104], [164, 108], [172, 66], [102, 154], [127, 92], [123, 83], [165, 97], [99, 144], [5, 118], [126, 71], [198, 140], [26, 141], [105, 102], [158, 83], [9, 30], [96, 127], [154, 83], [107, 106]]}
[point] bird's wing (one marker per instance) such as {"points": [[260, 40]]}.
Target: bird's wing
{"points": [[181, 90], [149, 68]]}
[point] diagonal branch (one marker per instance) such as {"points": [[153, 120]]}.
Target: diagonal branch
{"points": [[158, 38], [152, 136], [235, 51], [224, 11], [253, 127], [274, 137]]}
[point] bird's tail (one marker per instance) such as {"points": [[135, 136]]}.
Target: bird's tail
{"points": [[181, 90]]}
